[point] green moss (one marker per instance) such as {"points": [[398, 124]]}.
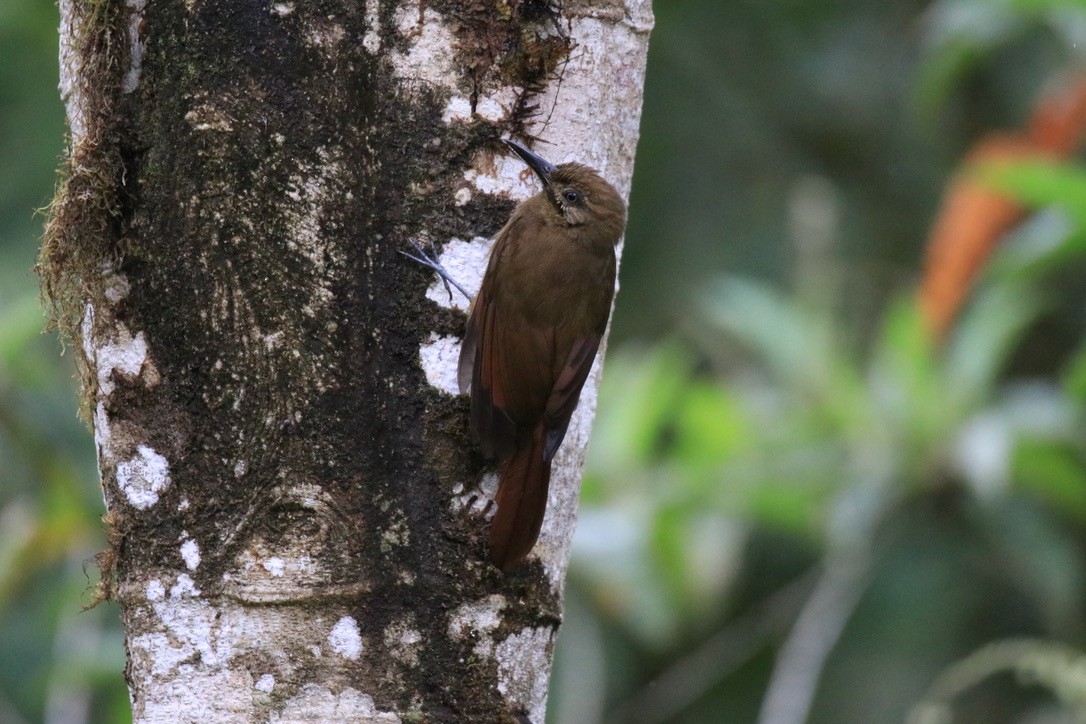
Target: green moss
{"points": [[502, 43], [84, 218]]}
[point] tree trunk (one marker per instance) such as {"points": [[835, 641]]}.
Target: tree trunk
{"points": [[285, 462]]}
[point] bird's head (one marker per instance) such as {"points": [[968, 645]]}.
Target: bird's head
{"points": [[578, 196]]}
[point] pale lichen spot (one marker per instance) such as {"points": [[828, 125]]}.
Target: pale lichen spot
{"points": [[326, 35], [477, 501], [524, 662], [143, 477], [498, 106], [273, 340], [439, 357], [136, 45], [124, 355], [117, 288], [508, 177], [275, 566], [371, 41], [457, 109], [190, 554], [396, 532], [430, 47], [283, 9], [316, 703], [462, 196], [184, 588], [155, 590], [345, 639], [265, 684], [480, 619]]}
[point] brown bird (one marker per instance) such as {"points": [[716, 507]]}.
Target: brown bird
{"points": [[533, 331]]}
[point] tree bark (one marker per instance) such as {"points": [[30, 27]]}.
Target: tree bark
{"points": [[286, 465]]}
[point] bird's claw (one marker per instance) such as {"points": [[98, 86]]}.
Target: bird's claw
{"points": [[430, 260]]}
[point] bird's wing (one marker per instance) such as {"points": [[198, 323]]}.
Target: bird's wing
{"points": [[567, 390], [482, 359]]}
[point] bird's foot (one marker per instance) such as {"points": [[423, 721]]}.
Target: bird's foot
{"points": [[430, 260]]}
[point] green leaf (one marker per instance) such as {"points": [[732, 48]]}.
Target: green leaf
{"points": [[985, 337], [637, 401], [1056, 473], [1041, 183], [710, 426], [1044, 244], [1074, 377], [21, 322], [799, 344], [1046, 5]]}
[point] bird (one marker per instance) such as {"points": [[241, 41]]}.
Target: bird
{"points": [[533, 331]]}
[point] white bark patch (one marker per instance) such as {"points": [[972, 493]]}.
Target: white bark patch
{"points": [[429, 57], [190, 643], [345, 638], [466, 262], [458, 109], [70, 67], [275, 566], [119, 355], [479, 499], [155, 591], [123, 354], [371, 41], [136, 46], [524, 664], [315, 703], [143, 477], [188, 628], [494, 107], [190, 553], [184, 588], [478, 619], [439, 362], [504, 176]]}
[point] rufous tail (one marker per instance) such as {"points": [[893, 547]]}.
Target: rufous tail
{"points": [[521, 501]]}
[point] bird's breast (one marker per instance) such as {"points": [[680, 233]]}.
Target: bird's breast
{"points": [[565, 286]]}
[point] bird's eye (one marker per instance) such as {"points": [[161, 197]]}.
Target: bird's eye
{"points": [[571, 196]]}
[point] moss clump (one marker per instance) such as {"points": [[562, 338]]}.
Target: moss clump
{"points": [[106, 561], [82, 230], [508, 43]]}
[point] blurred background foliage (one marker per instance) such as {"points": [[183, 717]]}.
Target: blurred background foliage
{"points": [[800, 504]]}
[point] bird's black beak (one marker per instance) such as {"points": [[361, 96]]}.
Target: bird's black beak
{"points": [[542, 168]]}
